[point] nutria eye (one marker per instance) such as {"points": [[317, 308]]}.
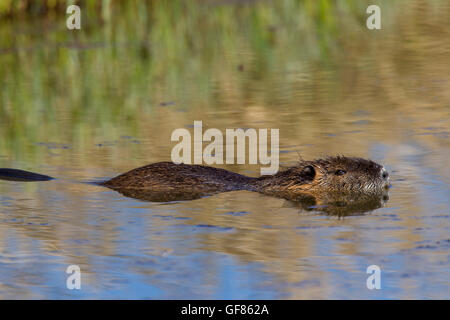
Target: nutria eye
{"points": [[385, 175], [340, 172]]}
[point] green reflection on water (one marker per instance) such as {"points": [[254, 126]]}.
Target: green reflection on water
{"points": [[105, 99], [60, 84]]}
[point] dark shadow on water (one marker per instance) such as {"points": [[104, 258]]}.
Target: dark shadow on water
{"points": [[340, 205], [336, 205], [159, 196]]}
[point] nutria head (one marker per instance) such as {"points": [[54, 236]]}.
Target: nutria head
{"points": [[344, 175]]}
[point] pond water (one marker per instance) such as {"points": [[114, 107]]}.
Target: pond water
{"points": [[87, 106]]}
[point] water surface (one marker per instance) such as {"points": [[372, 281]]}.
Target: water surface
{"points": [[87, 106]]}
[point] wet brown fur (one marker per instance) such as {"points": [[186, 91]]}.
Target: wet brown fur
{"points": [[331, 175]]}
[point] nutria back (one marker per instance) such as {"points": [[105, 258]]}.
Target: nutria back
{"points": [[171, 177]]}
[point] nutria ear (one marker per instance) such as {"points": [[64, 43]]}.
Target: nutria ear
{"points": [[308, 173]]}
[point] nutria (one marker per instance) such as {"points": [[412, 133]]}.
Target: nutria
{"points": [[320, 181], [343, 175]]}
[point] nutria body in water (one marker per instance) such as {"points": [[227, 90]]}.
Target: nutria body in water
{"points": [[331, 175], [335, 185]]}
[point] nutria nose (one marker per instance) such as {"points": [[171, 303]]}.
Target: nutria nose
{"points": [[384, 174]]}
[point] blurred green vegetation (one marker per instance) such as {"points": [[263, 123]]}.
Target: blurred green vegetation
{"points": [[130, 56]]}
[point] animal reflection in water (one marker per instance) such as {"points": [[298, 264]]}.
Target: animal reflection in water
{"points": [[340, 205], [333, 185]]}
